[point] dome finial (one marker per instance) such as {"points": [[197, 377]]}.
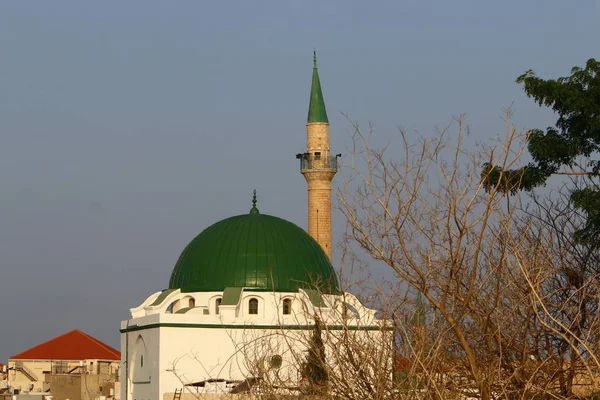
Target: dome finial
{"points": [[314, 58], [254, 210]]}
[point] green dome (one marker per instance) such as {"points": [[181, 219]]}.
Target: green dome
{"points": [[255, 251]]}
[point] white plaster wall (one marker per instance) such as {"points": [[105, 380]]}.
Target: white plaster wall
{"points": [[232, 344], [137, 382], [195, 354]]}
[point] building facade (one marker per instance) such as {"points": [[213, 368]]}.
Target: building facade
{"points": [[65, 358], [246, 296]]}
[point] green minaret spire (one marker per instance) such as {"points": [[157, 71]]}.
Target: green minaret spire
{"points": [[316, 108]]}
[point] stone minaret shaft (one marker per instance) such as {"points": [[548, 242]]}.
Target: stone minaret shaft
{"points": [[318, 166]]}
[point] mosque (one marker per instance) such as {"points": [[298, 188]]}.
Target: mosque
{"points": [[246, 294]]}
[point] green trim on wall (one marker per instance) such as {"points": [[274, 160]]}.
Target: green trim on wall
{"points": [[282, 327]]}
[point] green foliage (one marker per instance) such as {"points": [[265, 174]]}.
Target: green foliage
{"points": [[576, 101], [588, 200], [511, 181]]}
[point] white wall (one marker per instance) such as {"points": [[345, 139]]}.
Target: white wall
{"points": [[233, 344], [140, 382]]}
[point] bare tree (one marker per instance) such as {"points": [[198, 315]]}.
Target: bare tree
{"points": [[562, 274], [423, 211], [490, 296]]}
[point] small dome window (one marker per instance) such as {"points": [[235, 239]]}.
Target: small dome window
{"points": [[287, 306], [253, 306], [173, 307], [192, 303], [217, 304]]}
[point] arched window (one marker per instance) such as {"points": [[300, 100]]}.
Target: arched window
{"points": [[192, 303], [217, 304], [253, 306], [287, 306], [142, 360]]}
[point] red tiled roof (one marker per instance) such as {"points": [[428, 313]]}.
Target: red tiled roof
{"points": [[74, 345]]}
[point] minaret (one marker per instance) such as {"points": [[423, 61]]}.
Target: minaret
{"points": [[318, 166]]}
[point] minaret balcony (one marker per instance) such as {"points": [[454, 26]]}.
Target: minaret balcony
{"points": [[317, 162]]}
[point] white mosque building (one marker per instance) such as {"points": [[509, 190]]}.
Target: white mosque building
{"points": [[245, 296]]}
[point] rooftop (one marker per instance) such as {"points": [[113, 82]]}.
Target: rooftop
{"points": [[74, 345]]}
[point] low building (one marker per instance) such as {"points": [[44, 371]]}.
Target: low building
{"points": [[3, 378], [71, 366]]}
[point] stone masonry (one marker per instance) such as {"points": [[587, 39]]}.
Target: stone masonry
{"points": [[319, 179]]}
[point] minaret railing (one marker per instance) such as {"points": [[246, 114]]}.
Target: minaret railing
{"points": [[312, 162]]}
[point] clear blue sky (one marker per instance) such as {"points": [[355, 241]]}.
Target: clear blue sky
{"points": [[128, 127]]}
